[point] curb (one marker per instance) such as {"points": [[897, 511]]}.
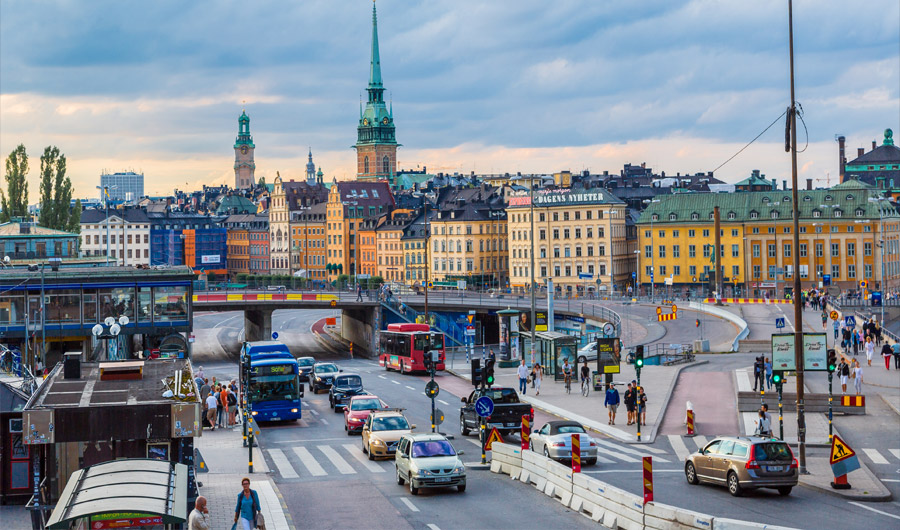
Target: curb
{"points": [[284, 506], [889, 404], [883, 497], [668, 398]]}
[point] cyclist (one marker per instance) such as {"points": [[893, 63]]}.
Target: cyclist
{"points": [[567, 372], [585, 375]]}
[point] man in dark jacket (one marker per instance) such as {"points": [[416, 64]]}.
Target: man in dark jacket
{"points": [[630, 402], [611, 402]]}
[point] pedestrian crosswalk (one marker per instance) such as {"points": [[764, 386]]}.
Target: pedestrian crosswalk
{"points": [[878, 458], [685, 445]]}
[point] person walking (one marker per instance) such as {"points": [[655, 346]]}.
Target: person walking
{"points": [[895, 350], [211, 406], [537, 377], [824, 320], [611, 402], [199, 518], [359, 293], [854, 342], [837, 329], [843, 371], [224, 413], [763, 425], [246, 512], [857, 376], [630, 403], [870, 350], [232, 406], [758, 373], [642, 405], [886, 353], [767, 366], [522, 372]]}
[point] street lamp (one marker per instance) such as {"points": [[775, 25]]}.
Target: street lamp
{"points": [[110, 329], [106, 197], [652, 244]]}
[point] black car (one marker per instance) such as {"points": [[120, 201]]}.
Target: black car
{"points": [[321, 376], [344, 387], [306, 366]]}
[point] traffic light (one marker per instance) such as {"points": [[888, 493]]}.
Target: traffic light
{"points": [[426, 359], [778, 379], [489, 372], [697, 323], [639, 356], [832, 361], [476, 372]]}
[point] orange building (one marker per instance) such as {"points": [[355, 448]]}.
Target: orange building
{"points": [[308, 240], [238, 243]]}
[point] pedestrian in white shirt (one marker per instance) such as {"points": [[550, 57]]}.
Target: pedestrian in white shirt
{"points": [[199, 518], [212, 405], [522, 372]]}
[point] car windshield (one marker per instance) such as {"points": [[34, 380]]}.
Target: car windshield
{"points": [[771, 451], [326, 368], [365, 404], [348, 381], [432, 448], [570, 429], [390, 423], [306, 361]]}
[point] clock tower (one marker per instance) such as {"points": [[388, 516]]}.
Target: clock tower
{"points": [[376, 146], [244, 166]]}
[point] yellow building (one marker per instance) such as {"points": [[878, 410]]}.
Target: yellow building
{"points": [[390, 251], [308, 234], [350, 202], [469, 242], [580, 240]]}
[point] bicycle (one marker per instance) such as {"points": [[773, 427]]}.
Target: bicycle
{"points": [[568, 384], [585, 386]]}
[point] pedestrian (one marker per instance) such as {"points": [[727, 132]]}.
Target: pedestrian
{"points": [[870, 350], [767, 366], [232, 406], [359, 293], [522, 372], [837, 328], [211, 406], [857, 376], [765, 409], [843, 371], [642, 404], [247, 510], [630, 403], [538, 376], [224, 414], [205, 389], [763, 425], [611, 402], [895, 349], [199, 518], [886, 353], [854, 342], [758, 373]]}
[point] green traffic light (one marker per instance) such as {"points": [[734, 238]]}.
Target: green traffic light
{"points": [[490, 379], [640, 362], [776, 378]]}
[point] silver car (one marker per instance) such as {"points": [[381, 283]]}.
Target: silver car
{"points": [[554, 440], [427, 460]]}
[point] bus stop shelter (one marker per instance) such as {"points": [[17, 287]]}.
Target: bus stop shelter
{"points": [[553, 348], [131, 493]]}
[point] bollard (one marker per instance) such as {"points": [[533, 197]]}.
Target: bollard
{"points": [[690, 422]]}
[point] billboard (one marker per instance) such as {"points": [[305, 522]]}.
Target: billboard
{"points": [[783, 352], [206, 259], [609, 355], [815, 352], [525, 321]]}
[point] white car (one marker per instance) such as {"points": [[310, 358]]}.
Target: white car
{"points": [[427, 460], [588, 352], [554, 440]]}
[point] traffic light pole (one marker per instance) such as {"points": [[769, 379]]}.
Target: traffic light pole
{"points": [[639, 405], [780, 415], [830, 410], [433, 419]]}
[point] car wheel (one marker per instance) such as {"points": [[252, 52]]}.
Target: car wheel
{"points": [[364, 448], [461, 488], [400, 480], [530, 445], [463, 430], [691, 474], [412, 489], [546, 452], [734, 487], [591, 462], [369, 452], [785, 490]]}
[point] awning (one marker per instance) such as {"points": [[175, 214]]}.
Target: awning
{"points": [[128, 488]]}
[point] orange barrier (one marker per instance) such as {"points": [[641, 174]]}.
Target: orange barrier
{"points": [[853, 401], [749, 301]]}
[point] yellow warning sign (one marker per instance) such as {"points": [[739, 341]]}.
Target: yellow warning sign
{"points": [[840, 450], [494, 436], [835, 315]]}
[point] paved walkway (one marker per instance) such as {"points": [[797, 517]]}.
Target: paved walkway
{"points": [[713, 415], [15, 516]]}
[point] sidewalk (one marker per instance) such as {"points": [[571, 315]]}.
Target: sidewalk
{"points": [[659, 382], [226, 460]]}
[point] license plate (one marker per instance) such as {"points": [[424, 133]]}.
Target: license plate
{"points": [[510, 424], [774, 468], [442, 479]]}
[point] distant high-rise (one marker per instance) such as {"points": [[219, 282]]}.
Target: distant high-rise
{"points": [[376, 146], [244, 166], [126, 186]]}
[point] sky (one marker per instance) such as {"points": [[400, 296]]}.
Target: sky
{"points": [[490, 87]]}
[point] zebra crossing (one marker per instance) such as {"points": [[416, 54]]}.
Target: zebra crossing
{"points": [[878, 458], [685, 445]]}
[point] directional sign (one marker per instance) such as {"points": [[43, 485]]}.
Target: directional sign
{"points": [[274, 335], [779, 322], [484, 407], [585, 276], [633, 275], [850, 321], [432, 389], [470, 330], [835, 315], [438, 417], [840, 450], [494, 436]]}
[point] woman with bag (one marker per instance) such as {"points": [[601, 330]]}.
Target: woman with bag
{"points": [[538, 376], [246, 513]]}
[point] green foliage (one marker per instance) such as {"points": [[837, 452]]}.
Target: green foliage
{"points": [[56, 191], [15, 201], [75, 218]]}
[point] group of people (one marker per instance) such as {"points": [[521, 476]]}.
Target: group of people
{"points": [[853, 371], [220, 401], [867, 338], [762, 373], [247, 512], [635, 403]]}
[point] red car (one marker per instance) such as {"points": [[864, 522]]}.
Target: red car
{"points": [[356, 412]]}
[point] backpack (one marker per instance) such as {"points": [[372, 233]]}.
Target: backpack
{"points": [[232, 400]]}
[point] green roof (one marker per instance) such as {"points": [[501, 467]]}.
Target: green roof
{"points": [[853, 184]]}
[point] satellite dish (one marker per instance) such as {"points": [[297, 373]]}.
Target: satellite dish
{"points": [[97, 330], [109, 321], [123, 320], [115, 329]]}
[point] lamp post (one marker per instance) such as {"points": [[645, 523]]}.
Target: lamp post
{"points": [[652, 244], [105, 190], [531, 252], [110, 329]]}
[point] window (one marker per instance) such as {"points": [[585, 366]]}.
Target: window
{"points": [[802, 250], [835, 249], [735, 271], [706, 233], [851, 271], [676, 270], [695, 216], [772, 271], [556, 216], [672, 217], [772, 252], [662, 251], [835, 271], [692, 251], [838, 213], [693, 270], [756, 271], [543, 234], [566, 231], [662, 233], [771, 230], [734, 233], [567, 253], [386, 165], [707, 251], [662, 269], [754, 215], [601, 250], [648, 251], [577, 233], [590, 232], [732, 215], [555, 252], [819, 250], [692, 233], [867, 268], [366, 165], [590, 250], [851, 249], [867, 249], [578, 251], [735, 251], [787, 250], [556, 233], [648, 270], [676, 251]]}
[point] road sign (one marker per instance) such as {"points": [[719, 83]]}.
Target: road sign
{"points": [[585, 276], [438, 417], [840, 450], [461, 285], [274, 335], [648, 479], [633, 275], [526, 433], [609, 329], [779, 322], [484, 407], [826, 280], [835, 315], [850, 321], [431, 285], [863, 284], [432, 389], [470, 330], [493, 437], [576, 453], [658, 310], [334, 303]]}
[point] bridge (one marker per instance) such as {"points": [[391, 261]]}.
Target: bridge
{"points": [[361, 319]]}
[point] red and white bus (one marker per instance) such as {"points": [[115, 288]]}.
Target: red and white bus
{"points": [[403, 346]]}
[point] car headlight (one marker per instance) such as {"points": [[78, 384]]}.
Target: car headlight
{"points": [[254, 413], [459, 469], [294, 410], [377, 442], [423, 473], [356, 420], [318, 379]]}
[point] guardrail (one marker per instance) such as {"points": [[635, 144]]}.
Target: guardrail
{"points": [[727, 315], [601, 502]]}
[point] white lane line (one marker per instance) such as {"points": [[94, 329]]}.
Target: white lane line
{"points": [[395, 382], [875, 456], [409, 504], [603, 460], [476, 442], [356, 453], [342, 465], [681, 450], [314, 411], [632, 471], [861, 505], [309, 462], [409, 387], [316, 440], [623, 458], [654, 450], [627, 450], [701, 441], [891, 480], [895, 452], [743, 380], [282, 463], [442, 402], [323, 420], [382, 377], [432, 527]]}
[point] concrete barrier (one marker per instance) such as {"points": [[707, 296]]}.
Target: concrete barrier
{"points": [[559, 481], [744, 329], [534, 470], [506, 459], [732, 524]]}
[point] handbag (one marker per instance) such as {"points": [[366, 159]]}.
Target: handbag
{"points": [[260, 521]]}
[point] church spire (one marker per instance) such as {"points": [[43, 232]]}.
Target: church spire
{"points": [[375, 65]]}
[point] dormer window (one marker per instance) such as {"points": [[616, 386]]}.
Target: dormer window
{"points": [[712, 215], [732, 215], [774, 214], [838, 213], [860, 212], [786, 199], [655, 217], [807, 198], [695, 216], [754, 215], [849, 197], [828, 198], [817, 213], [765, 199], [672, 217]]}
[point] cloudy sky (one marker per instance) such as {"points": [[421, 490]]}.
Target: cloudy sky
{"points": [[524, 85]]}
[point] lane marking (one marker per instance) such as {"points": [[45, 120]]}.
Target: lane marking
{"points": [[875, 456], [442, 402], [281, 462], [409, 387], [395, 382], [895, 452], [432, 527], [356, 453], [891, 480], [382, 377], [409, 504], [701, 441], [623, 458], [605, 460], [626, 450], [323, 420], [861, 505], [654, 450], [604, 471], [309, 462], [342, 465], [314, 411], [307, 440], [681, 450]]}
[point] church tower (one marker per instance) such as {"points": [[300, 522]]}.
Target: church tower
{"points": [[310, 170], [244, 166], [376, 146]]}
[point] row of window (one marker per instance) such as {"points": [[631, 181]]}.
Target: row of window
{"points": [[456, 265], [493, 245], [566, 233], [771, 274], [564, 271], [755, 230], [114, 253], [114, 239], [542, 216], [772, 249]]}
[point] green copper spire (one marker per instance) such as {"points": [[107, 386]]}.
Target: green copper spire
{"points": [[375, 66]]}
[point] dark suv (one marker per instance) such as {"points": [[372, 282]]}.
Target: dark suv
{"points": [[344, 387], [744, 462], [322, 375], [305, 365]]}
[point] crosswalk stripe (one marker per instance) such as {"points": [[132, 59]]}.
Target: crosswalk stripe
{"points": [[681, 450], [875, 456], [336, 459], [309, 462], [395, 382], [623, 458], [627, 450], [282, 463], [603, 460], [358, 455], [654, 450], [442, 402], [895, 452], [409, 387], [701, 441]]}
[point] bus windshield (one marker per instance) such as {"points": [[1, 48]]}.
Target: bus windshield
{"points": [[274, 388], [426, 342]]}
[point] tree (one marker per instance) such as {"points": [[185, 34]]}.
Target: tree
{"points": [[15, 201], [56, 191], [75, 218]]}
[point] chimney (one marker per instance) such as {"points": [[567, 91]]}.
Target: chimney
{"points": [[860, 152], [784, 185], [842, 159], [809, 184], [72, 365], [874, 145]]}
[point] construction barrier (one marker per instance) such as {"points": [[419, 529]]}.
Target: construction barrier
{"points": [[749, 301], [264, 297], [559, 481], [506, 459], [853, 401]]}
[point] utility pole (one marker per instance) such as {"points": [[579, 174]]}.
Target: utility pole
{"points": [[717, 255], [798, 308], [533, 319], [427, 241]]}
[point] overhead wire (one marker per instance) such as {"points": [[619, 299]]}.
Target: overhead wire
{"points": [[741, 150]]}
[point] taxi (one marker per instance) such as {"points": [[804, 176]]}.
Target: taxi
{"points": [[382, 432]]}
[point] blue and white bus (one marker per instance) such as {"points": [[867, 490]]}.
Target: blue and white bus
{"points": [[274, 388]]}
